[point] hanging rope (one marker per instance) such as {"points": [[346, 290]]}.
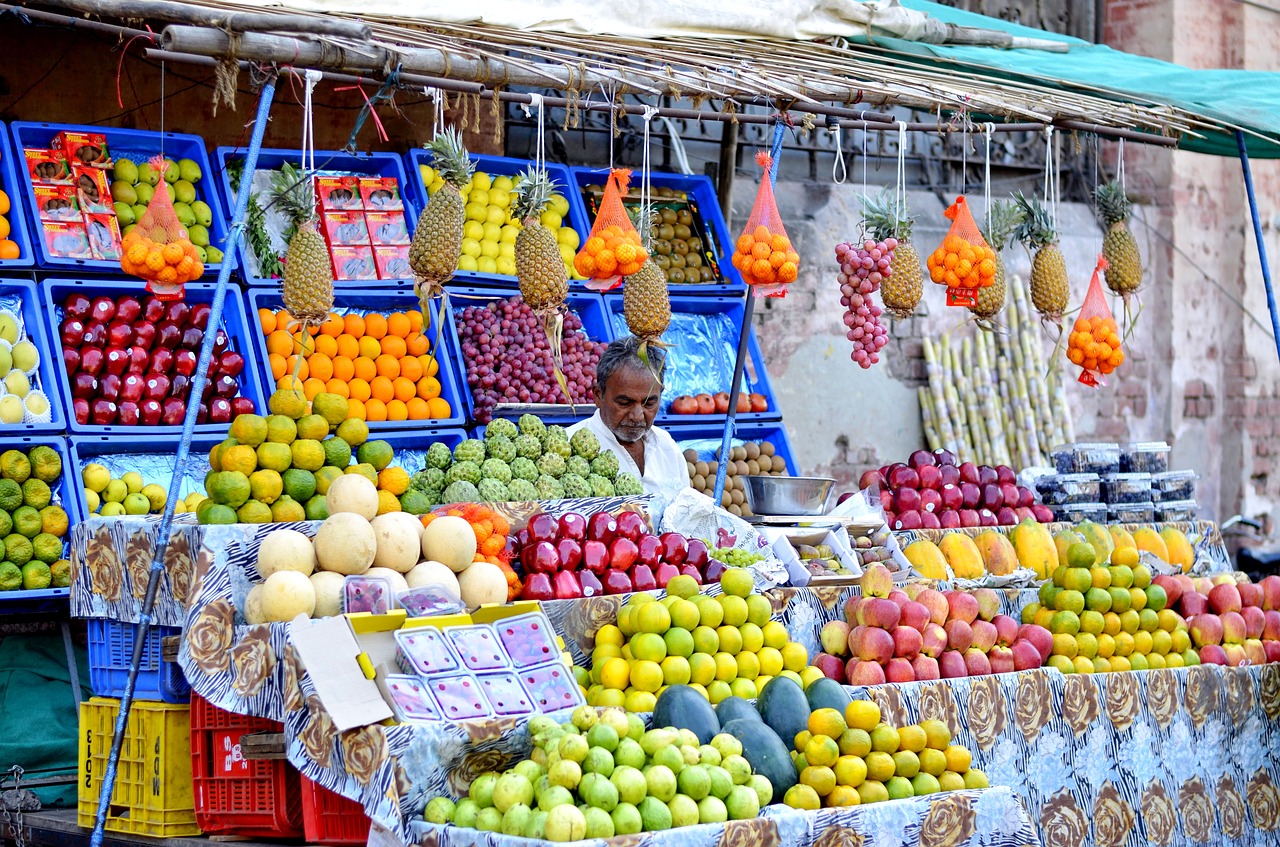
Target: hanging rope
{"points": [[987, 130], [368, 109], [646, 200], [900, 184], [837, 165], [1050, 176]]}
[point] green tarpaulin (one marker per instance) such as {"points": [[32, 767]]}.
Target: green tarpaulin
{"points": [[1249, 100]]}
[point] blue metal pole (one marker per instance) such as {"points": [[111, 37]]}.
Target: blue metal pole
{"points": [[744, 335], [184, 452], [1257, 235]]}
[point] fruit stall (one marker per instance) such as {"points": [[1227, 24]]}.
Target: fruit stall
{"points": [[293, 434]]}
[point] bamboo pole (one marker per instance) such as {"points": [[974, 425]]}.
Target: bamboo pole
{"points": [[225, 19]]}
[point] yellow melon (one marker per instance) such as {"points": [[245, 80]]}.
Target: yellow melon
{"points": [[345, 543], [450, 540], [286, 595]]}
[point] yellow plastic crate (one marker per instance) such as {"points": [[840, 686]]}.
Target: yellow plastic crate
{"points": [[153, 793]]}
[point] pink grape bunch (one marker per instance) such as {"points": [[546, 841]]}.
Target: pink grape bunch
{"points": [[862, 268]]}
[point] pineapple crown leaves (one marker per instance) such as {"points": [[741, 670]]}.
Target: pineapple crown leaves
{"points": [[1005, 217], [1036, 229], [531, 194], [885, 217], [1112, 202], [291, 191], [450, 157]]}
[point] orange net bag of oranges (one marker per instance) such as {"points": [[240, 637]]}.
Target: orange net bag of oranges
{"points": [[613, 249], [158, 248], [763, 253], [1094, 343], [963, 262]]}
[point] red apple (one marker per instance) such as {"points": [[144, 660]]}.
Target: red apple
{"points": [[566, 586], [139, 360], [921, 458], [698, 555], [128, 414], [144, 334], [623, 553], [649, 550], [168, 334], [930, 477], [72, 332], [103, 309], [241, 406], [102, 412], [572, 526], [71, 359], [569, 553], [80, 406], [675, 547], [77, 306], [664, 573], [949, 519], [970, 495], [969, 518], [1042, 513], [908, 520], [689, 570], [117, 360], [595, 556], [906, 500], [870, 478], [602, 527], [903, 477], [95, 334], [987, 476], [944, 457], [84, 385], [119, 334], [220, 411], [1011, 494], [617, 582], [231, 363], [128, 309], [591, 585], [153, 310], [149, 412], [1026, 497], [109, 387], [199, 316], [928, 520], [643, 579]]}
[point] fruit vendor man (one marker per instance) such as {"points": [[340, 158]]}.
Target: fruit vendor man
{"points": [[628, 394]]}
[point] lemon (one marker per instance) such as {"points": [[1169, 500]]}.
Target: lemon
{"points": [[705, 640], [648, 647], [726, 667], [752, 637], [609, 634], [770, 661], [612, 697], [809, 676], [718, 690], [748, 665], [95, 477], [646, 675], [653, 618], [702, 668], [640, 701], [737, 582], [744, 688], [794, 657], [679, 642], [775, 634], [828, 722], [735, 609], [615, 674], [675, 670]]}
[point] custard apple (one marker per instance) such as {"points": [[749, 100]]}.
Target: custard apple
{"points": [[495, 469], [500, 447], [501, 427], [525, 469], [627, 485], [585, 444]]}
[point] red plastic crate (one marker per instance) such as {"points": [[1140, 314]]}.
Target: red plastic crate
{"points": [[234, 795], [330, 818]]}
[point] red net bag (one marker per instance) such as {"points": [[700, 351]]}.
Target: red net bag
{"points": [[1094, 343], [613, 249], [764, 255], [963, 262], [158, 248]]}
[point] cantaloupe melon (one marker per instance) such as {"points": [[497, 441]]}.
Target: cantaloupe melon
{"points": [[481, 583], [253, 606], [394, 578], [352, 493], [345, 543], [399, 537], [286, 550], [285, 595], [433, 573], [450, 540], [328, 588]]}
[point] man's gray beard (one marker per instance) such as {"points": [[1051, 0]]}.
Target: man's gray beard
{"points": [[618, 434]]}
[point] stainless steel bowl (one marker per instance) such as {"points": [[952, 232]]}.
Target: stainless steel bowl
{"points": [[788, 495]]}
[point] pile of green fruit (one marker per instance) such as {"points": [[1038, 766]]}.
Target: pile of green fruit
{"points": [[34, 529], [19, 362], [133, 185], [523, 461], [129, 494], [601, 774]]}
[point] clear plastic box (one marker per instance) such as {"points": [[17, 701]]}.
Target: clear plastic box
{"points": [[429, 601], [478, 647], [1087, 457], [1119, 489], [1132, 513], [367, 594], [424, 652], [505, 694], [1173, 486], [1145, 457], [551, 687], [460, 697], [412, 699], [528, 639], [1076, 512], [1177, 510], [1064, 489]]}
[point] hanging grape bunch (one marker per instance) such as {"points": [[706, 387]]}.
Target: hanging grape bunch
{"points": [[862, 268]]}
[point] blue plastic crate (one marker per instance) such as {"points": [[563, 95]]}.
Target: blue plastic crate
{"points": [[691, 369], [137, 146], [68, 494], [111, 652], [384, 298], [705, 205], [21, 297], [235, 321], [503, 166], [328, 163], [155, 457], [18, 225], [589, 307], [707, 437]]}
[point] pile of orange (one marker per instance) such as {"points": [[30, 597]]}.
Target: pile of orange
{"points": [[173, 263], [766, 258], [1095, 344], [959, 263], [613, 250], [491, 530], [8, 247], [381, 363]]}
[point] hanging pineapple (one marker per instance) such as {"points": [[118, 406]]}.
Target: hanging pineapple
{"points": [[1120, 248], [544, 281], [437, 240], [308, 277], [904, 286], [1049, 289], [1004, 218]]}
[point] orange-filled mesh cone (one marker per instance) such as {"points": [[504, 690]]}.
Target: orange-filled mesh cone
{"points": [[158, 249], [613, 249], [1094, 343], [963, 262], [763, 253]]}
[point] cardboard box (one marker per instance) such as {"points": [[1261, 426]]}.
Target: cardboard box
{"points": [[94, 190], [104, 236], [66, 239], [340, 665], [46, 166], [337, 193], [381, 194], [57, 203], [353, 263], [393, 262], [83, 148], [386, 228], [345, 229]]}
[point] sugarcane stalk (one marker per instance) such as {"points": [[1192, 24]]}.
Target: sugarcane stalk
{"points": [[938, 406], [928, 420]]}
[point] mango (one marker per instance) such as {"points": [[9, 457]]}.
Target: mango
{"points": [[926, 558], [962, 555], [997, 552], [1181, 553], [1121, 537], [1035, 548], [1146, 538]]}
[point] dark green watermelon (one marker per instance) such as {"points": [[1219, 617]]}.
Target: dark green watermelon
{"points": [[766, 753], [827, 694], [784, 708], [732, 708], [684, 708]]}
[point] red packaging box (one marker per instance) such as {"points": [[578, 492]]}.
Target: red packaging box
{"points": [[57, 203], [393, 262], [381, 194], [104, 236], [353, 263], [337, 193], [83, 148], [345, 229], [386, 228], [47, 166], [94, 190], [67, 239]]}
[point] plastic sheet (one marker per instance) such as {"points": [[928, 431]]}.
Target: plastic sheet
{"points": [[12, 303], [696, 516], [700, 355], [157, 467]]}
